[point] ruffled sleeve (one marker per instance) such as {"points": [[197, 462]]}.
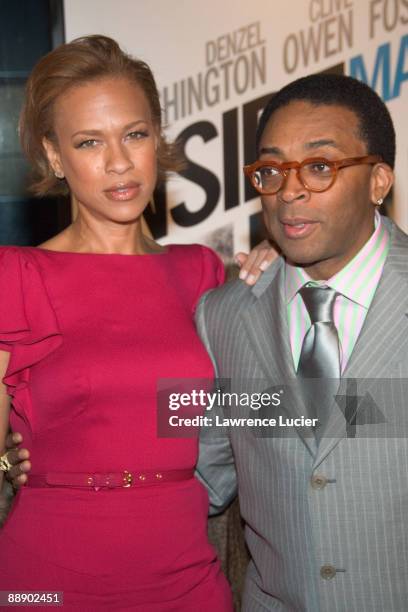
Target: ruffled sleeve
{"points": [[28, 325], [212, 272]]}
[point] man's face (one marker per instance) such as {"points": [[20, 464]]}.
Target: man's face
{"points": [[321, 232]]}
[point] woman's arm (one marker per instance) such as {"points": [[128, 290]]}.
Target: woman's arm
{"points": [[4, 402], [4, 427], [259, 259]]}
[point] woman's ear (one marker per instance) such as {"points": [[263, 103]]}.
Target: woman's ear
{"points": [[53, 158]]}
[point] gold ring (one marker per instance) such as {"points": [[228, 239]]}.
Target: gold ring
{"points": [[5, 464]]}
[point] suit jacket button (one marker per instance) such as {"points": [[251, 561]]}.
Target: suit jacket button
{"points": [[318, 482], [327, 572]]}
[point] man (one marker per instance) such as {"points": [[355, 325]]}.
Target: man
{"points": [[325, 507]]}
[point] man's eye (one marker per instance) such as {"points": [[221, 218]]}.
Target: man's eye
{"points": [[318, 168], [268, 171]]}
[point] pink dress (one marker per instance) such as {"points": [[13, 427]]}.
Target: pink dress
{"points": [[89, 335]]}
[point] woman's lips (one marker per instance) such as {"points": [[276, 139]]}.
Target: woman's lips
{"points": [[123, 192], [298, 228]]}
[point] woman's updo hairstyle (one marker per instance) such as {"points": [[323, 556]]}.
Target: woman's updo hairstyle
{"points": [[81, 61]]}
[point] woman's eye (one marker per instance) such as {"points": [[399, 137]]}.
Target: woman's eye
{"points": [[85, 144], [137, 135]]}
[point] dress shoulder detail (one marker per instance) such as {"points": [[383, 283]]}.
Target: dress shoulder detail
{"points": [[28, 324], [212, 273]]}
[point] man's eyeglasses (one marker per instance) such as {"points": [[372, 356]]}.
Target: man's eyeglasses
{"points": [[315, 173]]}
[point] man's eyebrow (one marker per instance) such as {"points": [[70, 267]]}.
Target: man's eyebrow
{"points": [[270, 151], [322, 142], [314, 144]]}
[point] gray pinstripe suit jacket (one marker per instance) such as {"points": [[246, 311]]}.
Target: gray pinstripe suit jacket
{"points": [[357, 521]]}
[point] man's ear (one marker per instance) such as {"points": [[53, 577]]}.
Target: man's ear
{"points": [[53, 158], [382, 179]]}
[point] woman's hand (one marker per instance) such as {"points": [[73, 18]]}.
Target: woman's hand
{"points": [[6, 498], [16, 475], [18, 457], [254, 264]]}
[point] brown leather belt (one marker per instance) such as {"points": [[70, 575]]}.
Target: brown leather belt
{"points": [[111, 480]]}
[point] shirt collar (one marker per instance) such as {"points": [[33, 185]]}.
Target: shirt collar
{"points": [[296, 277]]}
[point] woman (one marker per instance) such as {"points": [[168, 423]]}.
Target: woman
{"points": [[111, 514]]}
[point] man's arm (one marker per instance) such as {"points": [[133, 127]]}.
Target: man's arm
{"points": [[215, 467], [216, 470]]}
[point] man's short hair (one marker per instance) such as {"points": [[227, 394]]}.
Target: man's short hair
{"points": [[376, 127]]}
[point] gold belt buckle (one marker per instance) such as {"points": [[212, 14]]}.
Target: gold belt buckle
{"points": [[127, 479]]}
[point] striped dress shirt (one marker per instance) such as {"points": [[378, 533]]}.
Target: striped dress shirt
{"points": [[355, 283]]}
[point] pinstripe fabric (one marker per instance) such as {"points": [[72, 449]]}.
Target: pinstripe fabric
{"points": [[355, 284], [357, 521]]}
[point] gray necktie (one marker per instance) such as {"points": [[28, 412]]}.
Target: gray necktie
{"points": [[319, 358]]}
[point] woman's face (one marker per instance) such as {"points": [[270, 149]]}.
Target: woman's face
{"points": [[106, 148]]}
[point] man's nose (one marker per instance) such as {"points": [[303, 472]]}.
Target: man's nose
{"points": [[292, 188], [118, 159]]}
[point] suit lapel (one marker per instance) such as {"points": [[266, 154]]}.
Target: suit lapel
{"points": [[265, 323], [383, 340]]}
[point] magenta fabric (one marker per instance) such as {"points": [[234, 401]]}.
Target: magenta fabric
{"points": [[89, 335]]}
